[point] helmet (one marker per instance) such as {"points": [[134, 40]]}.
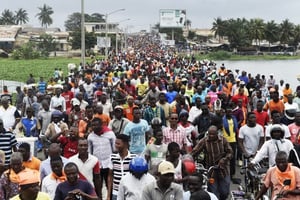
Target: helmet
{"points": [[138, 164], [290, 114], [276, 128], [56, 113], [189, 166], [156, 121]]}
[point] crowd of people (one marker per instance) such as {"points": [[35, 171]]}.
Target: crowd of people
{"points": [[140, 124]]}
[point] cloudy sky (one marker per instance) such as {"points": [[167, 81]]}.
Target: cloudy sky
{"points": [[143, 13]]}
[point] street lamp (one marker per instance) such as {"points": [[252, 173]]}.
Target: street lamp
{"points": [[106, 29], [118, 33], [82, 35]]}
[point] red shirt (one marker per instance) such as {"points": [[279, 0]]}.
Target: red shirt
{"points": [[69, 146], [68, 97], [244, 98], [262, 118]]}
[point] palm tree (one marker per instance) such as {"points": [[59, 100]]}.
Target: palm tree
{"points": [[21, 16], [271, 32], [44, 15], [286, 30], [296, 37], [256, 30], [219, 27], [8, 17]]}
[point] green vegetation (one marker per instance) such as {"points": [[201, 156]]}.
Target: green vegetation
{"points": [[19, 70]]}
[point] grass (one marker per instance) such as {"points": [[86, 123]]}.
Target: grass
{"points": [[19, 70]]}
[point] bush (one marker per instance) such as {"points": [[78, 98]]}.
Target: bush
{"points": [[219, 55], [26, 51]]}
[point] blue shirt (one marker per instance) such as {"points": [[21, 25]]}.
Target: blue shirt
{"points": [[136, 132], [29, 126]]}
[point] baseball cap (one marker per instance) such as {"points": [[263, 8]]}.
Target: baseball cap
{"points": [[166, 167], [75, 102], [29, 176], [118, 108]]}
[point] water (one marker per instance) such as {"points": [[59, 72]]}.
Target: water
{"points": [[287, 70]]}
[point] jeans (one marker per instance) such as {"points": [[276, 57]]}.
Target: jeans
{"points": [[220, 187], [114, 197]]}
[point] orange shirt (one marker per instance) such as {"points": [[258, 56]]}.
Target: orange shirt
{"points": [[285, 93], [104, 118], [271, 105], [128, 111], [32, 163]]}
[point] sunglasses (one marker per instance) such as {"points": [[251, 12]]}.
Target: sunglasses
{"points": [[174, 118]]}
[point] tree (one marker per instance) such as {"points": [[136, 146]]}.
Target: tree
{"points": [[90, 40], [286, 29], [44, 15], [271, 32], [236, 31], [296, 38], [7, 17], [256, 30], [21, 16], [73, 23], [219, 27], [46, 44]]}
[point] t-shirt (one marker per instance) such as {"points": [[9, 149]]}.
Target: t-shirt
{"points": [[40, 196], [157, 154], [136, 132], [251, 137], [64, 188], [69, 146], [7, 141]]}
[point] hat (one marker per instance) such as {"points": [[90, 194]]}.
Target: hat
{"points": [[130, 97], [119, 108], [271, 74], [29, 176], [75, 102], [166, 167]]}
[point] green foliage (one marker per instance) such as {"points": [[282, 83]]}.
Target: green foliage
{"points": [[90, 39], [73, 23], [46, 44], [26, 51], [220, 55], [44, 15]]}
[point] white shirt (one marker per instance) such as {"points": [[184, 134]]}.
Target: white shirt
{"points": [[58, 101], [49, 185], [270, 148], [251, 137], [194, 112], [187, 195], [86, 168], [131, 188], [8, 116], [107, 107]]}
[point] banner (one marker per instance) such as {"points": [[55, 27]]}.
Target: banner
{"points": [[101, 42], [170, 18]]}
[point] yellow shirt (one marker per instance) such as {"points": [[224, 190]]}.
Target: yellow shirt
{"points": [[41, 196], [230, 138], [142, 88]]}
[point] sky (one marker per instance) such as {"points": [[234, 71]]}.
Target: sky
{"points": [[143, 14]]}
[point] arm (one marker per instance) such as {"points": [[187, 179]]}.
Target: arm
{"points": [[109, 183], [97, 183], [84, 195], [241, 144], [261, 142], [198, 148], [261, 192]]}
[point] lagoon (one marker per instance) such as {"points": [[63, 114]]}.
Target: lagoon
{"points": [[287, 70]]}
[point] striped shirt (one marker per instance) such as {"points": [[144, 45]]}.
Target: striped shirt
{"points": [[177, 135], [7, 141], [120, 168]]}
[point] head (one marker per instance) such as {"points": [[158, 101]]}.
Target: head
{"points": [[122, 142], [183, 116], [277, 132], [138, 167], [82, 146], [290, 98], [200, 195], [158, 134], [103, 98], [156, 124], [24, 148], [58, 91], [118, 111], [166, 173], [195, 182], [56, 164], [212, 133], [281, 160], [45, 105], [99, 109], [174, 150], [71, 171], [204, 109], [97, 125], [198, 102], [136, 114], [152, 101], [89, 112], [54, 150], [29, 112], [162, 97], [5, 102], [29, 184], [276, 117], [251, 119], [130, 100], [173, 119], [56, 116], [16, 162], [73, 132], [259, 105]]}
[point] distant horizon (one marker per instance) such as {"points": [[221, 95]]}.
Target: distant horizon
{"points": [[143, 15]]}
